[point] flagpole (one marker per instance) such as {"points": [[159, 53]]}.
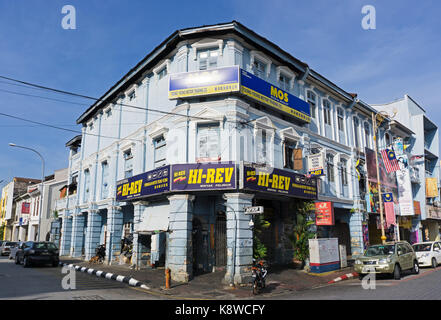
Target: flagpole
{"points": [[374, 122]]}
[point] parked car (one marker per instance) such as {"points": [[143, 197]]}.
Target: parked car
{"points": [[390, 258], [6, 247], [14, 249], [33, 252], [428, 253]]}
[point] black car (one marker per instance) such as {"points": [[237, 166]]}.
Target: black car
{"points": [[33, 252]]}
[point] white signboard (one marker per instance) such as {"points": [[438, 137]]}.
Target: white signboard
{"points": [[253, 210], [405, 198], [343, 256], [316, 164], [324, 250]]}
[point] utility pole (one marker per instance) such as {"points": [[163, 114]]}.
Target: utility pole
{"points": [[380, 200]]}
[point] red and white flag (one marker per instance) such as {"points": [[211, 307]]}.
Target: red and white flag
{"points": [[389, 209], [390, 160]]}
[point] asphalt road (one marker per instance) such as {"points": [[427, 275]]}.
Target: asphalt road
{"points": [[424, 286], [45, 282]]}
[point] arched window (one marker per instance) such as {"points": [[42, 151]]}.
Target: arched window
{"points": [[330, 167]]}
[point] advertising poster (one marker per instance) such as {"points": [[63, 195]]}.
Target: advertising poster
{"points": [[324, 213], [316, 164], [405, 198], [203, 176], [268, 94], [25, 207], [202, 83], [431, 188], [272, 180], [146, 184]]}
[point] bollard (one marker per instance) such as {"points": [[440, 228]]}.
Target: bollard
{"points": [[167, 278]]}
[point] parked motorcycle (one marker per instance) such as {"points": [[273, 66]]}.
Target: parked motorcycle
{"points": [[259, 276], [100, 252]]}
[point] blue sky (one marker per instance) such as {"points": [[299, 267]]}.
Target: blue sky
{"points": [[401, 56]]}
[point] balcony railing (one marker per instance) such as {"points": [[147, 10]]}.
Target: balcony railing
{"points": [[62, 203]]}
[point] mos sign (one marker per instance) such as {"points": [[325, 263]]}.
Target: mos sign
{"points": [[235, 80]]}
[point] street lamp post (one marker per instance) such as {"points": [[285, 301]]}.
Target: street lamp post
{"points": [[41, 188]]}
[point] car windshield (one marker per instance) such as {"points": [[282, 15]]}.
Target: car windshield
{"points": [[422, 247], [45, 246], [380, 250], [9, 244]]}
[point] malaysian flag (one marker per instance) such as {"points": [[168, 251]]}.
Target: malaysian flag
{"points": [[389, 209], [390, 161]]}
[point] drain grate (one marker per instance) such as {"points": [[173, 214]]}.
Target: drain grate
{"points": [[95, 297]]}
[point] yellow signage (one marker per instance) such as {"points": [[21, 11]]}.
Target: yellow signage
{"points": [[431, 188]]}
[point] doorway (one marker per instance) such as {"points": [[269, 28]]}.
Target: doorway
{"points": [[221, 240]]}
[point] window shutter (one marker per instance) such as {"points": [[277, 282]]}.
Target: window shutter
{"points": [[298, 159]]}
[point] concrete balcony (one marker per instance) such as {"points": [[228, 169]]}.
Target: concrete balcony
{"points": [[66, 203]]}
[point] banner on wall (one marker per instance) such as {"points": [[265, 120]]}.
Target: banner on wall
{"points": [[234, 79], [324, 213], [277, 181], [25, 207], [203, 176], [316, 164], [431, 188], [149, 183], [405, 198]]}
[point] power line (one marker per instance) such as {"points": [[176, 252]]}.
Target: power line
{"points": [[61, 128], [101, 100]]}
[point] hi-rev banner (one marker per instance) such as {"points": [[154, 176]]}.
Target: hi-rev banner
{"points": [[272, 180]]}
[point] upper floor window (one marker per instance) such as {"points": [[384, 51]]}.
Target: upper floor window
{"points": [[162, 73], [128, 163], [340, 119], [387, 139], [312, 100], [160, 151], [344, 172], [330, 167], [293, 158], [259, 68], [208, 59], [261, 146], [356, 132], [367, 134], [86, 184], [208, 142], [327, 112], [104, 179], [283, 82], [132, 94]]}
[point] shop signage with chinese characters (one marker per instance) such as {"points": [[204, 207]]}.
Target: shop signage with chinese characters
{"points": [[433, 212], [324, 213], [203, 176], [25, 207], [277, 181], [146, 184]]}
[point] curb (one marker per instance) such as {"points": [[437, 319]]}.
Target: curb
{"points": [[107, 275], [344, 277]]}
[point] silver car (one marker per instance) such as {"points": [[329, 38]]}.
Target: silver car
{"points": [[13, 250], [5, 249]]}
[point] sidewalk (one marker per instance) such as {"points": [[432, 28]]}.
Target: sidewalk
{"points": [[280, 280]]}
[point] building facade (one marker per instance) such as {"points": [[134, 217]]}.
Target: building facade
{"points": [[173, 153]]}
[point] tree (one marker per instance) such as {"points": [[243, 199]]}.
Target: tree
{"points": [[259, 249], [302, 230]]}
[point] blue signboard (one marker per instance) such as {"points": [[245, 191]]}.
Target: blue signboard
{"points": [[205, 82], [203, 176], [266, 93], [146, 184]]}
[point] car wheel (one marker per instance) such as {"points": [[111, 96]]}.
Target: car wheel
{"points": [[26, 263], [434, 263], [17, 261], [416, 267], [397, 272]]}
